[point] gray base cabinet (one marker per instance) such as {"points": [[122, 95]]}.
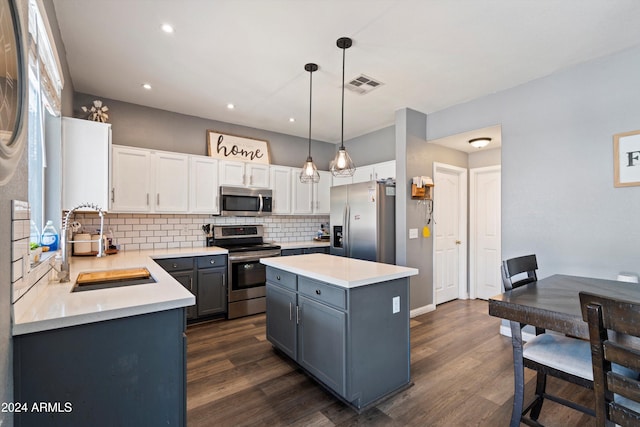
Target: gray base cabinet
{"points": [[122, 372], [206, 278], [355, 341]]}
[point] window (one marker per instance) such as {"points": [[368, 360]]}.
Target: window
{"points": [[45, 87]]}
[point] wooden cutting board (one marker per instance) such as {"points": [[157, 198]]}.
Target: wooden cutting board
{"points": [[108, 275]]}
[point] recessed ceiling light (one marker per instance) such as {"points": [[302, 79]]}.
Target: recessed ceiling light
{"points": [[147, 86], [167, 28], [291, 119], [231, 106]]}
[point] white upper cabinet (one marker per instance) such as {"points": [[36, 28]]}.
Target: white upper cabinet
{"points": [[171, 181], [341, 180], [375, 172], [243, 174], [85, 163], [149, 181], [130, 182], [203, 185], [309, 198], [281, 186], [321, 194]]}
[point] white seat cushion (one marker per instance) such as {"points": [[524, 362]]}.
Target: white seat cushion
{"points": [[571, 355], [565, 354]]}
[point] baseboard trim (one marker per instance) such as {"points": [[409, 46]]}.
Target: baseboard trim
{"points": [[506, 331], [422, 310]]}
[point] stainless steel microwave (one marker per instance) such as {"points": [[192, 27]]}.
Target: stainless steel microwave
{"points": [[239, 201]]}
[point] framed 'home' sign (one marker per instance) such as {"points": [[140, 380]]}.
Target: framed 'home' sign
{"points": [[232, 147], [626, 159]]}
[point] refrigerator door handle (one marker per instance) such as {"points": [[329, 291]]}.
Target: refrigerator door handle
{"points": [[345, 233]]}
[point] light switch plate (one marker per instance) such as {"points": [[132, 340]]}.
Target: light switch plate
{"points": [[413, 233]]}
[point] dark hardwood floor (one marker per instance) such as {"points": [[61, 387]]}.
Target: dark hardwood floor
{"points": [[460, 365]]}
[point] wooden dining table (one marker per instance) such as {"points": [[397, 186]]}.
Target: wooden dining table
{"points": [[552, 303]]}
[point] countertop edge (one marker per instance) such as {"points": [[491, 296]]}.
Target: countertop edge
{"points": [[33, 313], [399, 273]]}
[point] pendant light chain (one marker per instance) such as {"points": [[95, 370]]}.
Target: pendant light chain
{"points": [[309, 173], [342, 165], [310, 104], [344, 50]]}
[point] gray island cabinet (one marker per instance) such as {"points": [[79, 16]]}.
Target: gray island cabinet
{"points": [[344, 321]]}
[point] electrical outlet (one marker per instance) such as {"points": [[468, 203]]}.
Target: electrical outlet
{"points": [[396, 305], [413, 233]]}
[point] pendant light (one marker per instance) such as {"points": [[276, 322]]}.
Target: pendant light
{"points": [[342, 165], [309, 173]]}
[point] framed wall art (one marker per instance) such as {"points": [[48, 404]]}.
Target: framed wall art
{"points": [[234, 147], [626, 159]]}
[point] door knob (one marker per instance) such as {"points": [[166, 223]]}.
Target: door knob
{"points": [[458, 242]]}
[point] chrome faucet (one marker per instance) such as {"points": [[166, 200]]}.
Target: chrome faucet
{"points": [[63, 274]]}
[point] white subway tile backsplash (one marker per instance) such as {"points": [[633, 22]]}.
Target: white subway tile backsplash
{"points": [[161, 231]]}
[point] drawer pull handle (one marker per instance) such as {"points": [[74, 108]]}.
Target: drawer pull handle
{"points": [[318, 292], [175, 265], [277, 277], [213, 261]]}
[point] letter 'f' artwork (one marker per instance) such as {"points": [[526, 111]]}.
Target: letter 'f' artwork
{"points": [[626, 158], [239, 148]]}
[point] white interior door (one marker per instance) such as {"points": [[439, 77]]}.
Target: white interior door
{"points": [[485, 250], [450, 207]]}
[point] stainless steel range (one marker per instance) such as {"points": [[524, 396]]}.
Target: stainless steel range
{"points": [[247, 276]]}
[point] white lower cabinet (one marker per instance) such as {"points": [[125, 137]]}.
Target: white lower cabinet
{"points": [[149, 181]]}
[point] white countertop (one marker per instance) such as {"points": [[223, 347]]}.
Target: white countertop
{"points": [[339, 271], [52, 305]]}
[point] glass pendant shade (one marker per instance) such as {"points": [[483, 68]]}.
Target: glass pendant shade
{"points": [[309, 173], [342, 165]]}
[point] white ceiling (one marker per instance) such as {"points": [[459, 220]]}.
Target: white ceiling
{"points": [[430, 54]]}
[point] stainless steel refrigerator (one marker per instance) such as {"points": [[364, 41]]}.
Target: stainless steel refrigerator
{"points": [[362, 221]]}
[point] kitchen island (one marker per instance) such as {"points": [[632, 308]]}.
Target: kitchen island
{"points": [[107, 356], [344, 321]]}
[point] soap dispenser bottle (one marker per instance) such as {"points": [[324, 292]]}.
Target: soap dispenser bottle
{"points": [[50, 236]]}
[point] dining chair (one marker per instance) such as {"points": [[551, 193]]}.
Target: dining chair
{"points": [[614, 325], [546, 353]]}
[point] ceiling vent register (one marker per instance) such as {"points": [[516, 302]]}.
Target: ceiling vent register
{"points": [[363, 84]]}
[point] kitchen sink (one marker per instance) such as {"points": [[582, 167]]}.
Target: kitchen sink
{"points": [[112, 279], [107, 284]]}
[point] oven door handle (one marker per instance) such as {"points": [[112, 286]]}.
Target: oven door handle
{"points": [[253, 257]]}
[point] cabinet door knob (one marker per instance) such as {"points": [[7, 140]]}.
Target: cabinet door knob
{"points": [[175, 265], [213, 261], [318, 292], [277, 277]]}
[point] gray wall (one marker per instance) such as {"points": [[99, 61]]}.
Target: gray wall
{"points": [[17, 189], [14, 189], [414, 156], [484, 158], [145, 127], [374, 147], [558, 198]]}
